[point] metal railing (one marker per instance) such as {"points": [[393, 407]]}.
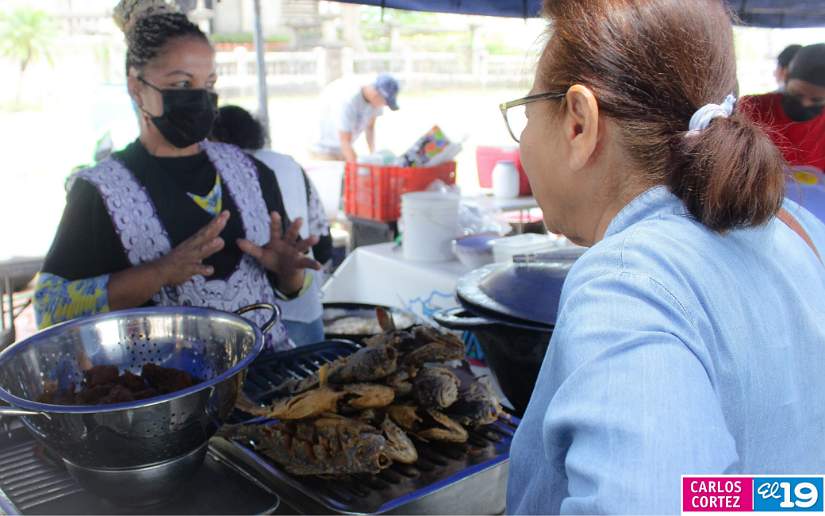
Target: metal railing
{"points": [[237, 70], [312, 70]]}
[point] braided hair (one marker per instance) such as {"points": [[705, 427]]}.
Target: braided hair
{"points": [[149, 25]]}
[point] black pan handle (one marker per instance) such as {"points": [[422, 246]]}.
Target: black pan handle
{"points": [[276, 313], [460, 319]]}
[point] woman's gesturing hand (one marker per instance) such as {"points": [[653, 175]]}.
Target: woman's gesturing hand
{"points": [[285, 254], [186, 260]]}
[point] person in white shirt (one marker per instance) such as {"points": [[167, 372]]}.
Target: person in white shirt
{"points": [[302, 316], [349, 109]]}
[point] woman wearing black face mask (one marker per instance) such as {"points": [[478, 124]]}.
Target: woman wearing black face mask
{"points": [[172, 219], [794, 118]]}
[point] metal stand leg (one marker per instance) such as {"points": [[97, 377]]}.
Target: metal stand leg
{"points": [[10, 293], [3, 306], [6, 326]]}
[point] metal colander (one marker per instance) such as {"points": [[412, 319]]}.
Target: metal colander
{"points": [[213, 346]]}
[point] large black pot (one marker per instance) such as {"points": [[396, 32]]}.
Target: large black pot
{"points": [[511, 308], [514, 351]]}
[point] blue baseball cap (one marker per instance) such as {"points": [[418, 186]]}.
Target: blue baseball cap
{"points": [[388, 87]]}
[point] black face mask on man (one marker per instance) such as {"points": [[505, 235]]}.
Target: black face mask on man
{"points": [[188, 114], [796, 111]]}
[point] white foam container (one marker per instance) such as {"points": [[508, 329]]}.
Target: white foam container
{"points": [[528, 243], [430, 221]]}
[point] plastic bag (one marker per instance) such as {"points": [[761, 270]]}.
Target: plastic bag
{"points": [[442, 187], [473, 220]]}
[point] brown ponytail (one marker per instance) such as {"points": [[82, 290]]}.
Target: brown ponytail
{"points": [[652, 64], [729, 175]]}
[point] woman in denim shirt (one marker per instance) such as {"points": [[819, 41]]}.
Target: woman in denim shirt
{"points": [[690, 337]]}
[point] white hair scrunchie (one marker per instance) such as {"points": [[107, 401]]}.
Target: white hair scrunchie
{"points": [[704, 115]]}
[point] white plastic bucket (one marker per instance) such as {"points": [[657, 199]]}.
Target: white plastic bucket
{"points": [[430, 221]]}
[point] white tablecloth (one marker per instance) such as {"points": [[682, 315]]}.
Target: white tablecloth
{"points": [[378, 274]]}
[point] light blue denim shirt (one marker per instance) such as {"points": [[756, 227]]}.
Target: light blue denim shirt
{"points": [[676, 351]]}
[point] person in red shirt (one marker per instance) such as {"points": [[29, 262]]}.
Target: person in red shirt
{"points": [[794, 119], [783, 61]]}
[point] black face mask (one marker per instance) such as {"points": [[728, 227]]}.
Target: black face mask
{"points": [[796, 111], [188, 115]]}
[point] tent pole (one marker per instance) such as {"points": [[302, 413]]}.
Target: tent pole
{"points": [[263, 103]]}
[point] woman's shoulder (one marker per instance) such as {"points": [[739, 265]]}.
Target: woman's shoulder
{"points": [[670, 251], [110, 170]]}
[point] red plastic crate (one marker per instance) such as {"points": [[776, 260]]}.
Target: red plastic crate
{"points": [[374, 191], [486, 159]]}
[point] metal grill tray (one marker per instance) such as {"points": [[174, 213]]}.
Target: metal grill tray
{"points": [[447, 479], [31, 482], [271, 369]]}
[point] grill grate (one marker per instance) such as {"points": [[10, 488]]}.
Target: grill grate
{"points": [[272, 369], [478, 466], [33, 482], [28, 480]]}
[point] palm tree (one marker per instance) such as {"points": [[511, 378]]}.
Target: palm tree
{"points": [[26, 35]]}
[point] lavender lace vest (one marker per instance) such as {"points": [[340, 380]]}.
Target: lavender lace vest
{"points": [[145, 239]]}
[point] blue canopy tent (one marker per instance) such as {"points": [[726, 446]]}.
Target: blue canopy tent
{"points": [[756, 13]]}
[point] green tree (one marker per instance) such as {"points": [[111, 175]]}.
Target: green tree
{"points": [[26, 35]]}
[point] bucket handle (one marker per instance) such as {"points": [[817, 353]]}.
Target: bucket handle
{"points": [[276, 313]]}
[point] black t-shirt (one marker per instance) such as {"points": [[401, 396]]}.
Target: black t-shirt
{"points": [[86, 244]]}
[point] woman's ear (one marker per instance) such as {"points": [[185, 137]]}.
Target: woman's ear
{"points": [[133, 87], [581, 125]]}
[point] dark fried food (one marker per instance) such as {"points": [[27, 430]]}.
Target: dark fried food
{"points": [[427, 424], [440, 427], [301, 406], [100, 375], [166, 379], [362, 412], [405, 416], [365, 365], [328, 445], [401, 381], [399, 446], [435, 387], [104, 385], [367, 395], [477, 404], [433, 346]]}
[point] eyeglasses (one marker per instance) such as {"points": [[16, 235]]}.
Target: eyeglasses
{"points": [[515, 111]]}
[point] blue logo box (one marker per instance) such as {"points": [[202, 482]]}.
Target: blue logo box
{"points": [[787, 494]]}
